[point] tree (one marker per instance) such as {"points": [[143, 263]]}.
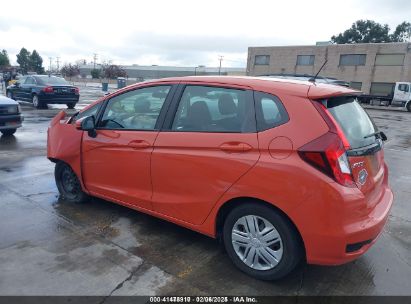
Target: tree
{"points": [[70, 70], [23, 59], [402, 32], [36, 63], [113, 71], [95, 73], [4, 59], [369, 31]]}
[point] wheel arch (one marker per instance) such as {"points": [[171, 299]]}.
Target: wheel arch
{"points": [[229, 205]]}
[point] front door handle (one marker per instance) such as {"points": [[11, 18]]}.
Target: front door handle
{"points": [[235, 147], [139, 144]]}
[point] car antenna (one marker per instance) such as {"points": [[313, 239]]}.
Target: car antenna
{"points": [[312, 79]]}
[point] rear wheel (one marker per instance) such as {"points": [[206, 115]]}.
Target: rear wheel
{"points": [[409, 106], [36, 102], [71, 105], [8, 132], [68, 184], [261, 242]]}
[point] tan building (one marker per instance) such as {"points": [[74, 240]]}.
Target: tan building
{"points": [[370, 67]]}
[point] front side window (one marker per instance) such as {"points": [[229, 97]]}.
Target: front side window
{"points": [[305, 59], [403, 87], [135, 110], [89, 112], [214, 109], [270, 111], [262, 60], [29, 80]]}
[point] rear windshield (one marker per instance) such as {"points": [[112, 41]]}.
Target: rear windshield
{"points": [[52, 80], [353, 120]]}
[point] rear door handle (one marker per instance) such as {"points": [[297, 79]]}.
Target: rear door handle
{"points": [[235, 147], [139, 144]]}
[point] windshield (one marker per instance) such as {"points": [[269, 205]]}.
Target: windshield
{"points": [[353, 120], [51, 80]]}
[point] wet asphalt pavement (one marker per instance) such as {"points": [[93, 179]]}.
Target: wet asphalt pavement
{"points": [[51, 247]]}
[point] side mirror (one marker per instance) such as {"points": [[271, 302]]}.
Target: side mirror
{"points": [[87, 124], [383, 136]]}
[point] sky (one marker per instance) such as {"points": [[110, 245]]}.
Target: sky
{"points": [[179, 32]]}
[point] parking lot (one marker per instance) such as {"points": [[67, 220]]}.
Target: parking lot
{"points": [[50, 247]]}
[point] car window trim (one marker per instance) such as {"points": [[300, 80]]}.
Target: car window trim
{"points": [[161, 115], [168, 122]]}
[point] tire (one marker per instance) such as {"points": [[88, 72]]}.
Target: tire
{"points": [[10, 95], [284, 253], [8, 132], [71, 105], [36, 102], [68, 184], [409, 106]]}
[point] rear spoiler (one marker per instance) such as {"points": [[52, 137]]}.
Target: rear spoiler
{"points": [[322, 91]]}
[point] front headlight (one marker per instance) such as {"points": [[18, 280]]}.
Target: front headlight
{"points": [[12, 109]]}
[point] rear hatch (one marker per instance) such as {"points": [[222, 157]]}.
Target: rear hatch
{"points": [[363, 141]]}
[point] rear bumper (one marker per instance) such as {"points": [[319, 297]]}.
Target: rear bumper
{"points": [[11, 121], [51, 98], [354, 239]]}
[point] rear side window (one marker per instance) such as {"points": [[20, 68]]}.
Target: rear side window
{"points": [[270, 111], [353, 120]]}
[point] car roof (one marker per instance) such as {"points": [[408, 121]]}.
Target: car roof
{"points": [[295, 87]]}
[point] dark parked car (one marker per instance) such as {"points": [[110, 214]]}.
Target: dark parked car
{"points": [[10, 116], [43, 89]]}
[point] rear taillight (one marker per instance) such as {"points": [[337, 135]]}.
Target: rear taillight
{"points": [[76, 91], [327, 154], [48, 90], [330, 121]]}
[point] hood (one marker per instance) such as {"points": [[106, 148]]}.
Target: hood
{"points": [[7, 101]]}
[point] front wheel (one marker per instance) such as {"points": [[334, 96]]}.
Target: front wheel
{"points": [[68, 184], [409, 106], [261, 242], [8, 132]]}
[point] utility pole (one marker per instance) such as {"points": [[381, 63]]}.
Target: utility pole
{"points": [[58, 63], [95, 55], [219, 68], [50, 59]]}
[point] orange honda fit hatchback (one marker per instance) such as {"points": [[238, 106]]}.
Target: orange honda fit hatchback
{"points": [[279, 170]]}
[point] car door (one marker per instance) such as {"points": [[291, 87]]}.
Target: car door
{"points": [[208, 142], [17, 89], [26, 87], [116, 162], [401, 92]]}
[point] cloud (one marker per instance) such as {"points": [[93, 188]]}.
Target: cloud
{"points": [[183, 33]]}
